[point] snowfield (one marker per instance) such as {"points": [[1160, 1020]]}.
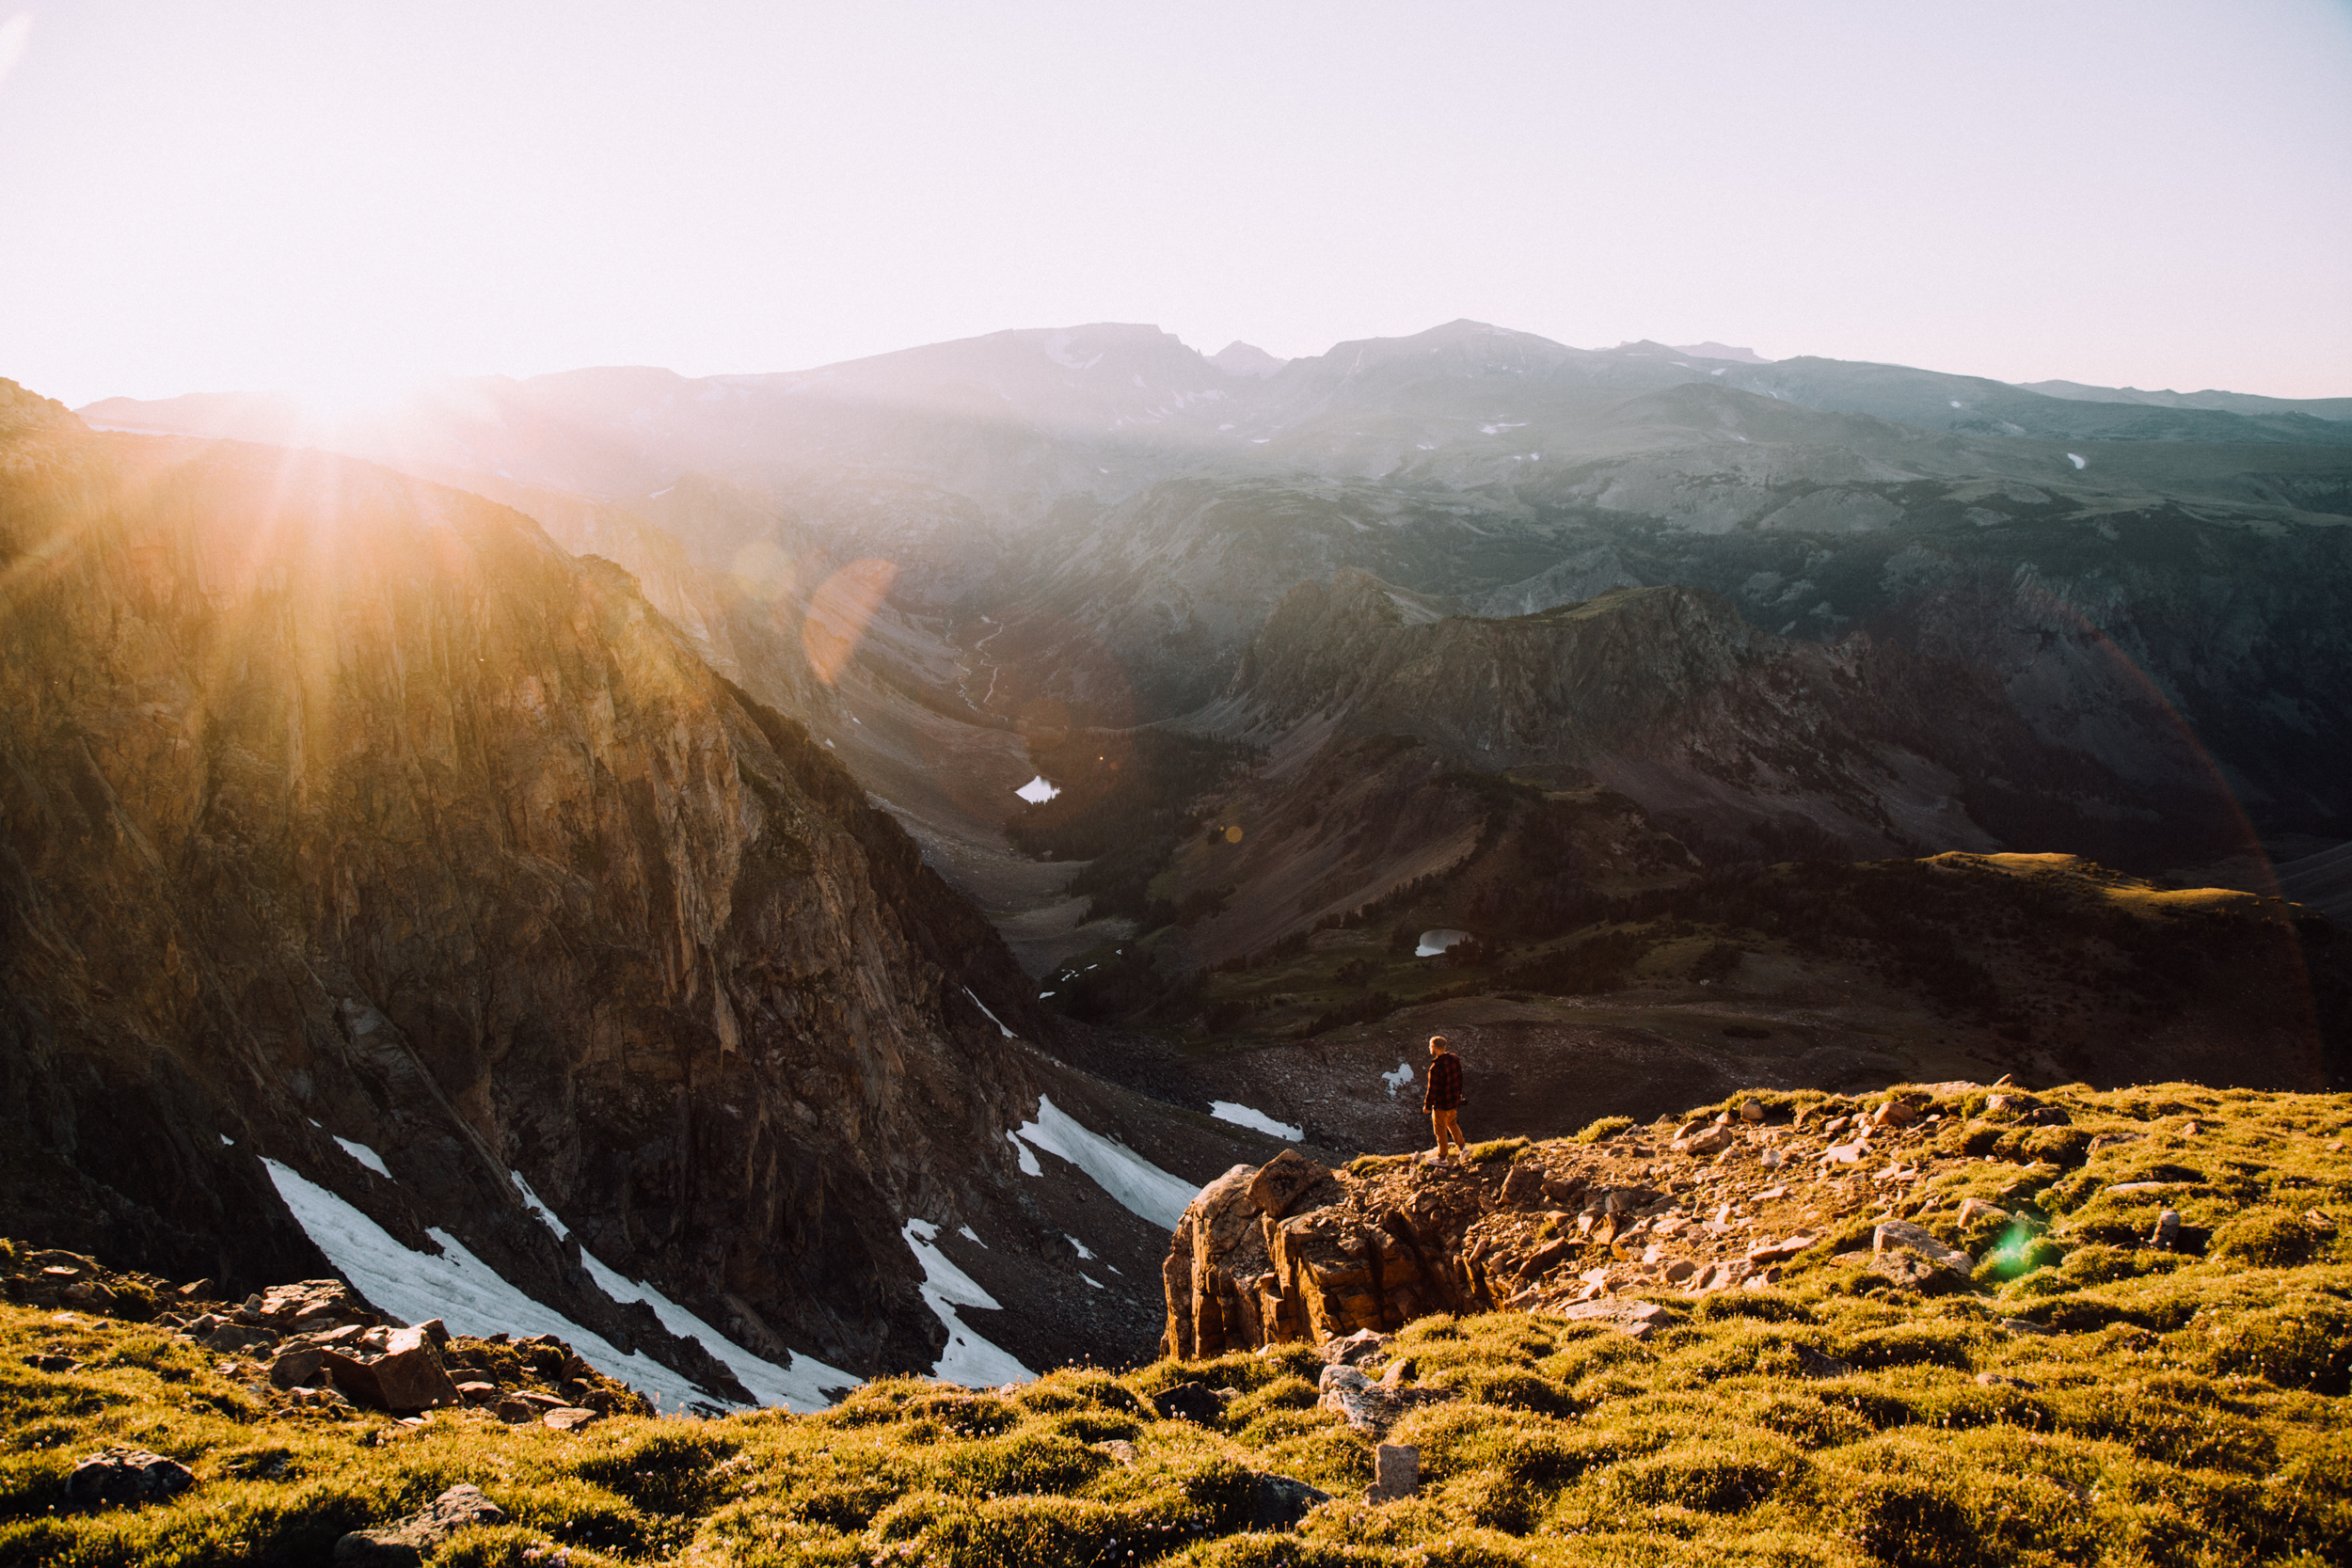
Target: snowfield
{"points": [[1140, 1186], [1244, 1116]]}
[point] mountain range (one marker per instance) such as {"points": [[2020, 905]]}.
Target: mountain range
{"points": [[594, 793]]}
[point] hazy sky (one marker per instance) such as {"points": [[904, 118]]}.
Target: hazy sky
{"points": [[214, 195]]}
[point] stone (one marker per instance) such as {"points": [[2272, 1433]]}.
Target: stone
{"points": [[571, 1418], [1844, 1154], [1193, 1402], [1997, 1380], [1903, 1234], [1705, 1141], [1752, 1109], [1523, 1188], [407, 1376], [1782, 1250], [297, 1367], [477, 1393], [2027, 1325], [125, 1478], [2165, 1236], [515, 1412], [1396, 1471], [1978, 1208], [1284, 1182], [1278, 1502], [1362, 1345], [406, 1543]]}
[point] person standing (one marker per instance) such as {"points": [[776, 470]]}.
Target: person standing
{"points": [[1443, 1099]]}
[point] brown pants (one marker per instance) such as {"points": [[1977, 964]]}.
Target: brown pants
{"points": [[1446, 1124]]}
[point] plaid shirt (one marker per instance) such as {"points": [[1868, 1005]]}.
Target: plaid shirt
{"points": [[1445, 1083]]}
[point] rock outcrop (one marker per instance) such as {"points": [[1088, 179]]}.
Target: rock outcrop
{"points": [[1291, 1252]]}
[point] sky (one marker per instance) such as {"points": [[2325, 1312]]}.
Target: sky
{"points": [[326, 196]]}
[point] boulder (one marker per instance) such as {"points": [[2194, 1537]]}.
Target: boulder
{"points": [[1396, 1470], [1752, 1109], [1978, 1208], [569, 1418], [1285, 1184], [1523, 1188], [297, 1367], [2166, 1235], [1903, 1235], [125, 1478], [1707, 1140], [408, 1541], [406, 1377], [1278, 1502]]}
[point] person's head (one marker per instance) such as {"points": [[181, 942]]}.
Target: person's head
{"points": [[1436, 1044]]}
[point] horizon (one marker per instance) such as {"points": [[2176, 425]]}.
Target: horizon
{"points": [[385, 395], [272, 196]]}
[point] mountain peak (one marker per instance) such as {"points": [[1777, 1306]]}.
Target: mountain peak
{"points": [[1240, 359], [1713, 350]]}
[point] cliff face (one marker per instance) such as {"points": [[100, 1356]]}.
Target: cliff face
{"points": [[1672, 697], [337, 806]]}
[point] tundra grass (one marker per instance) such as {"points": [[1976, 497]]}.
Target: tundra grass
{"points": [[2094, 1402]]}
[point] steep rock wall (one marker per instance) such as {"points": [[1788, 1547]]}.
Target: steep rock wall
{"points": [[334, 803]]}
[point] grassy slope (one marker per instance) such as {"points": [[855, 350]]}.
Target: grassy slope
{"points": [[2188, 1409]]}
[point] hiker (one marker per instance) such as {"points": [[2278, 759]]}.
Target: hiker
{"points": [[1443, 1099]]}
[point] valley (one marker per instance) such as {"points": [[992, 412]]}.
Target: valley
{"points": [[596, 795]]}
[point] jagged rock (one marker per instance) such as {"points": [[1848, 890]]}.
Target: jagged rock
{"points": [[1278, 1502], [1288, 1181], [1709, 1141], [405, 1376], [1752, 1109], [2166, 1235], [1782, 1250], [125, 1478], [407, 1542], [297, 1367], [1397, 1468], [1525, 1186], [1358, 1348]]}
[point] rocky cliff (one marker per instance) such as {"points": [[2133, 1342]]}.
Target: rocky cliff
{"points": [[348, 823]]}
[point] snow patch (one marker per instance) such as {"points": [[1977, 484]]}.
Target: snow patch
{"points": [[1397, 1080], [1138, 1185], [802, 1383], [1244, 1116], [970, 1235], [969, 1359], [991, 1017], [1434, 942], [1085, 1253], [2076, 458], [365, 1155], [457, 1288], [1028, 1156], [1037, 791], [530, 1200], [227, 1142], [1089, 1279]]}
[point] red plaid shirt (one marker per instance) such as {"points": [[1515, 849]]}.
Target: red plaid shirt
{"points": [[1445, 1083]]}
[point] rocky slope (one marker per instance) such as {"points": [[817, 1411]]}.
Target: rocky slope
{"points": [[1671, 697], [359, 841]]}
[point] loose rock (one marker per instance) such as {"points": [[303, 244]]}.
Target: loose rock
{"points": [[126, 1478], [406, 1542]]}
